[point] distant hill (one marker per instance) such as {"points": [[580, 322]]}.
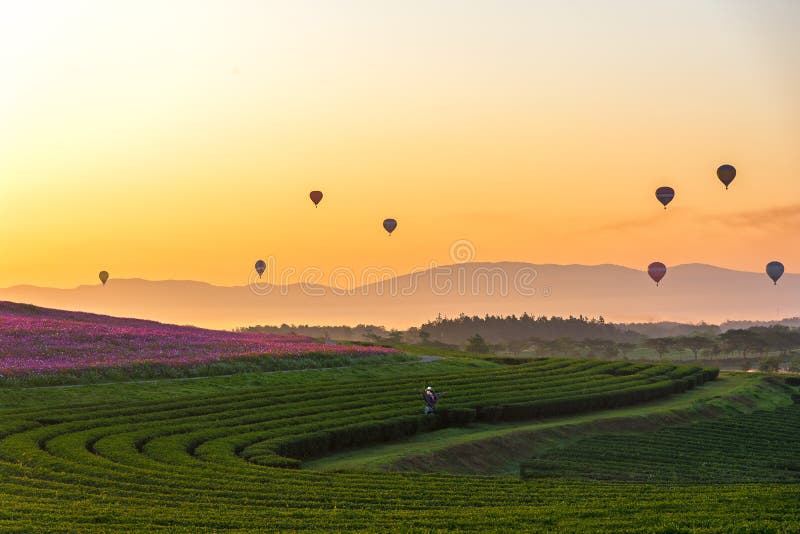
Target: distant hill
{"points": [[689, 294], [791, 322], [670, 328]]}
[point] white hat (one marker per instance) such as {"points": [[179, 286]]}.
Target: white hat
{"points": [[429, 388]]}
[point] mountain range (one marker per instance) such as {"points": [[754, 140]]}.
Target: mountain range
{"points": [[689, 293]]}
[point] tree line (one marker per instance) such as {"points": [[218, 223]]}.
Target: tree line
{"points": [[768, 348], [510, 328], [573, 336], [496, 329]]}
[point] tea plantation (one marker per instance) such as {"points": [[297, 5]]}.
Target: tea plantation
{"points": [[756, 447], [223, 453]]}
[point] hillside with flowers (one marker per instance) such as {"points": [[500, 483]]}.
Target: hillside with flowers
{"points": [[36, 340]]}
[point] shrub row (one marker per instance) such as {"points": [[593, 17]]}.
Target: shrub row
{"points": [[359, 434], [762, 446], [316, 443]]}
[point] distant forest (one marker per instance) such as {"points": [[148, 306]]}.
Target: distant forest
{"points": [[362, 332], [457, 331], [792, 322], [768, 346], [504, 329]]}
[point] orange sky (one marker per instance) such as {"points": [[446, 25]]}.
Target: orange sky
{"points": [[182, 141]]}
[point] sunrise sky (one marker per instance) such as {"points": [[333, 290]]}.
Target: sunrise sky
{"points": [[168, 140]]}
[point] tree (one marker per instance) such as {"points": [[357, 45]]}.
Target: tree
{"points": [[661, 345], [372, 336], [695, 343], [712, 352], [610, 349], [424, 336], [395, 336], [502, 329], [742, 340], [477, 345], [604, 348], [769, 365], [779, 338], [518, 345], [557, 347], [625, 348]]}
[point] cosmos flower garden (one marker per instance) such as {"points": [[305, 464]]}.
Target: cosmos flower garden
{"points": [[40, 341]]}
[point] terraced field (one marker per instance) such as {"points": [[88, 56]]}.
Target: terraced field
{"points": [[500, 448], [757, 447], [213, 454]]}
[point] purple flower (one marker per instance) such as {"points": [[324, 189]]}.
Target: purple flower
{"points": [[40, 340]]}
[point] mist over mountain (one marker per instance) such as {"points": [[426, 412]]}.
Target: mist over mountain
{"points": [[689, 293]]}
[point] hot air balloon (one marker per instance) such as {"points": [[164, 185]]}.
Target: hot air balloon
{"points": [[316, 197], [657, 270], [665, 195], [261, 266], [775, 271], [389, 225], [103, 277], [726, 173]]}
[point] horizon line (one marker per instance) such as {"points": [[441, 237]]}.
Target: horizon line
{"points": [[213, 285]]}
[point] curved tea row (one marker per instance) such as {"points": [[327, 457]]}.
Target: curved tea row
{"points": [[763, 446]]}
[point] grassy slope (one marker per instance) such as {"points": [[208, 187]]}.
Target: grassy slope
{"points": [[64, 480], [498, 449]]}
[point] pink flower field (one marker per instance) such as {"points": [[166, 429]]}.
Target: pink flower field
{"points": [[40, 340]]}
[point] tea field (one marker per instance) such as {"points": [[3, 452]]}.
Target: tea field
{"points": [[223, 453]]}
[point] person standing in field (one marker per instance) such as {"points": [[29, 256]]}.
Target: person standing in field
{"points": [[431, 398]]}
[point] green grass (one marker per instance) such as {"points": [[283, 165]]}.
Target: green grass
{"points": [[191, 455]]}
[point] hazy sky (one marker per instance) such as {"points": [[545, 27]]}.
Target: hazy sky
{"points": [[180, 139]]}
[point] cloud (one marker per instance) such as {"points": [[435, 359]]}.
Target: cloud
{"points": [[783, 218], [500, 218], [639, 223], [780, 218]]}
